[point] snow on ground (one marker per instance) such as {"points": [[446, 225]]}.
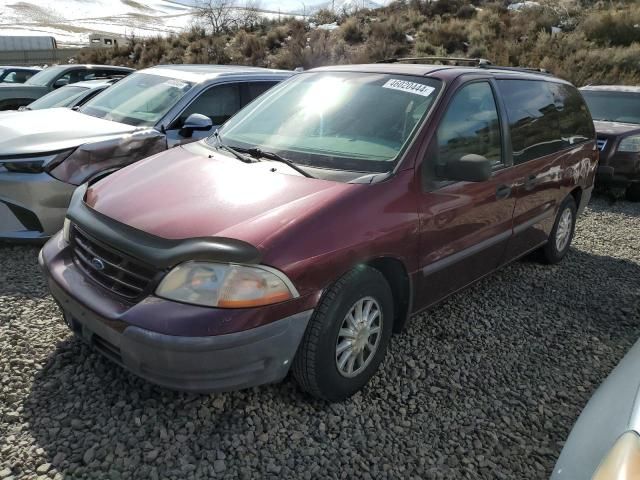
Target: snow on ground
{"points": [[71, 21]]}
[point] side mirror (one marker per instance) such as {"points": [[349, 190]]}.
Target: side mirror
{"points": [[195, 122], [61, 82], [470, 168]]}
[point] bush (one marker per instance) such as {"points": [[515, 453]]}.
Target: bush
{"points": [[619, 28], [351, 31]]}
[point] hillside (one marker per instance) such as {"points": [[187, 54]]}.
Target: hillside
{"points": [[582, 41], [71, 21]]}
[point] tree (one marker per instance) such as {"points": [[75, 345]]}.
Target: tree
{"points": [[220, 15], [249, 15]]}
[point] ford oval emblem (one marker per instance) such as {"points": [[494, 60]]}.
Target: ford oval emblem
{"points": [[97, 264]]}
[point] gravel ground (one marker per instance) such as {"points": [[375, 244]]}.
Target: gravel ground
{"points": [[486, 385]]}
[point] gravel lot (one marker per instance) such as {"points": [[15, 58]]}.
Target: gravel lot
{"points": [[487, 385]]}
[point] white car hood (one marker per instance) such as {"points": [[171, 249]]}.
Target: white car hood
{"points": [[53, 129]]}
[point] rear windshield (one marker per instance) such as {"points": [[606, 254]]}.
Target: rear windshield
{"points": [[337, 120], [141, 99], [613, 106], [63, 97]]}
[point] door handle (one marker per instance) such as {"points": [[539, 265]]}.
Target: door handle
{"points": [[503, 191], [530, 182]]}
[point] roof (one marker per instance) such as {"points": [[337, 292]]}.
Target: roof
{"points": [[612, 88], [199, 73], [20, 67], [90, 66], [442, 72]]}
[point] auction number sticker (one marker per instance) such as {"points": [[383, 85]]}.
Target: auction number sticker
{"points": [[176, 83], [410, 87]]}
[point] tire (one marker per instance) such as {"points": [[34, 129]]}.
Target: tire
{"points": [[315, 366], [555, 249], [633, 192]]}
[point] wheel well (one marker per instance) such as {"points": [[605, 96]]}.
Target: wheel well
{"points": [[576, 193], [396, 274]]}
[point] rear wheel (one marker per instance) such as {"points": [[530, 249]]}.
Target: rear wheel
{"points": [[562, 233], [347, 336], [633, 192]]}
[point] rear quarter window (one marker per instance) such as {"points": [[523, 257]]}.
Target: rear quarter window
{"points": [[544, 117]]}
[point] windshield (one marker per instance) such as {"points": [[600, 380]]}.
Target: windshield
{"points": [[141, 99], [613, 106], [45, 77], [63, 97], [337, 120]]}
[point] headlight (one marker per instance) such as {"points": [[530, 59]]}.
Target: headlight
{"points": [[623, 460], [34, 164], [226, 285], [630, 144], [66, 230]]}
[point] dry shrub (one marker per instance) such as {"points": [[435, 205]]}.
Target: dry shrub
{"points": [[351, 31]]}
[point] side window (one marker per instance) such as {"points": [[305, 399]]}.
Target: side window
{"points": [[534, 118], [470, 126], [254, 90], [73, 76], [576, 124], [218, 103]]}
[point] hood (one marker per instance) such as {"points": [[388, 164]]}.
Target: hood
{"points": [[52, 129], [615, 128], [179, 194]]}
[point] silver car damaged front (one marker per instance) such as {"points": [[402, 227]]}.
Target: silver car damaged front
{"points": [[45, 154]]}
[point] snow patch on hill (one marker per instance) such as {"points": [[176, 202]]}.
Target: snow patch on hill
{"points": [[71, 21]]}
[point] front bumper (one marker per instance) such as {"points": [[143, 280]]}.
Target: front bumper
{"points": [[210, 363], [621, 170], [32, 205]]}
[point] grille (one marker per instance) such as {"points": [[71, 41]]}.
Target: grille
{"points": [[601, 143], [110, 268]]}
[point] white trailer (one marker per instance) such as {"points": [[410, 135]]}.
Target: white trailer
{"points": [[17, 43]]}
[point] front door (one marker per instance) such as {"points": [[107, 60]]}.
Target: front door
{"points": [[464, 226]]}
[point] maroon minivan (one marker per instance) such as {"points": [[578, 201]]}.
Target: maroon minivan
{"points": [[317, 220]]}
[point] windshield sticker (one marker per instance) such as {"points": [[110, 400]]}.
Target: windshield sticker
{"points": [[176, 83], [410, 87]]}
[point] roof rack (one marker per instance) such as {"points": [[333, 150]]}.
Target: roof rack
{"points": [[517, 69], [477, 62], [458, 61]]}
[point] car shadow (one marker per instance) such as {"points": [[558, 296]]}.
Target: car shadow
{"points": [[517, 372]]}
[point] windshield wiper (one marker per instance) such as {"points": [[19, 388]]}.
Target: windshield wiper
{"points": [[234, 152], [219, 145], [257, 153]]}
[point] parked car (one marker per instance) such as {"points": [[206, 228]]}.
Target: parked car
{"points": [[14, 75], [72, 95], [318, 219], [13, 97], [604, 444], [45, 154], [616, 111]]}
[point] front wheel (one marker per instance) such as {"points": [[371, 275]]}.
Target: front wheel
{"points": [[562, 233], [347, 336]]}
